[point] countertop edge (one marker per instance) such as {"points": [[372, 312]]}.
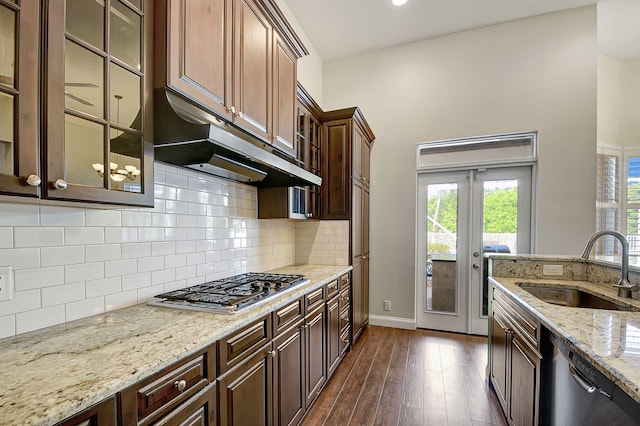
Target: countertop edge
{"points": [[617, 376]]}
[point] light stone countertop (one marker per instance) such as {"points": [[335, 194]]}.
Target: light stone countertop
{"points": [[53, 373], [610, 340]]}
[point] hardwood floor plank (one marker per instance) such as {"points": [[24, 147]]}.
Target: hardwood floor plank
{"points": [[406, 377], [341, 413]]}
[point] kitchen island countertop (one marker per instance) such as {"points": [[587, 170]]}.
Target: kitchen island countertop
{"points": [[50, 374], [610, 340]]}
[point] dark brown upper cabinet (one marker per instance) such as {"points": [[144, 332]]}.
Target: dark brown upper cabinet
{"points": [[236, 59], [97, 136], [19, 35]]}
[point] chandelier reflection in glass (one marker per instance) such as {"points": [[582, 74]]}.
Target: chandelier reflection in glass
{"points": [[116, 174]]}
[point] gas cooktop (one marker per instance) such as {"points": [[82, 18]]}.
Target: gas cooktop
{"points": [[232, 294]]}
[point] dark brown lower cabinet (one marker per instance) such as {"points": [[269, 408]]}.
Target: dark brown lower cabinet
{"points": [[515, 360], [333, 334], [316, 367], [103, 413], [289, 375], [199, 410], [245, 391]]}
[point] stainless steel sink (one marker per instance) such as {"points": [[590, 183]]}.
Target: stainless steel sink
{"points": [[574, 298]]}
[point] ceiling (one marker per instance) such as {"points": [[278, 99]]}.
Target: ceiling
{"points": [[339, 28]]}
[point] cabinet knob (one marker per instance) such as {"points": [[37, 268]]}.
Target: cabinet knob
{"points": [[34, 180], [232, 110], [273, 353], [309, 215], [364, 178], [60, 184], [180, 385]]}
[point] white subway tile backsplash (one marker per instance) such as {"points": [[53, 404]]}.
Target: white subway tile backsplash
{"points": [[175, 234], [103, 287], [136, 250], [150, 234], [163, 220], [136, 218], [176, 207], [45, 317], [6, 237], [20, 258], [7, 326], [29, 279], [65, 255], [84, 308], [146, 293], [71, 262], [175, 261], [61, 216], [103, 252], [136, 281], [163, 248], [120, 235], [178, 180], [19, 214], [186, 272], [120, 267], [163, 276], [95, 217], [148, 264], [84, 272], [120, 300], [22, 301], [61, 294], [86, 235], [38, 236]]}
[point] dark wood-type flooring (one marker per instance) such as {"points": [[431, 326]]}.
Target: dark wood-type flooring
{"points": [[404, 377]]}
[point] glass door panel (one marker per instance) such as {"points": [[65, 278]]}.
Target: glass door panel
{"points": [[442, 225], [443, 203]]}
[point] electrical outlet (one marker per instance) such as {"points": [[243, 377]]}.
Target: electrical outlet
{"points": [[552, 270], [387, 305], [6, 283]]}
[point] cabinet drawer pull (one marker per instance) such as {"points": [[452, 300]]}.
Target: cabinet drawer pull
{"points": [[34, 180], [180, 385], [60, 184]]}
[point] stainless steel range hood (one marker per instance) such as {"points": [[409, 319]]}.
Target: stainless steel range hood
{"points": [[188, 136]]}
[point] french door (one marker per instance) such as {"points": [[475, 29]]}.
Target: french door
{"points": [[461, 215]]}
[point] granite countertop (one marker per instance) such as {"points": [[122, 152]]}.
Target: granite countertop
{"points": [[609, 339], [53, 373]]}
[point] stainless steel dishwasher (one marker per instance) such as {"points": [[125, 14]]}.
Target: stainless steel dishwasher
{"points": [[580, 395]]}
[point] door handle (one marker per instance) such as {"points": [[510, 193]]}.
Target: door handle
{"points": [[476, 266]]}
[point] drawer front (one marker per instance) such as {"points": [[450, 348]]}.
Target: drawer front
{"points": [[155, 396], [283, 318], [345, 281], [345, 340], [239, 345], [314, 299], [332, 289], [199, 410], [345, 318], [527, 326]]}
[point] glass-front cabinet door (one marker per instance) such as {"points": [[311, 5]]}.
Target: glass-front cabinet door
{"points": [[97, 138], [19, 52]]}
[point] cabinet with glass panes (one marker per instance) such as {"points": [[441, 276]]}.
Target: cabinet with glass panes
{"points": [[19, 34], [97, 128]]}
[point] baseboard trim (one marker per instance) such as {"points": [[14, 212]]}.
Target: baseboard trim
{"points": [[395, 322]]}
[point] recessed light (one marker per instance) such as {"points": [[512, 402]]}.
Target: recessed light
{"points": [[398, 2]]}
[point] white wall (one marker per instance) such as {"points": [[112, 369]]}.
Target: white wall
{"points": [[618, 101], [533, 74]]}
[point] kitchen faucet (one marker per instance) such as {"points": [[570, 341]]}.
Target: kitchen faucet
{"points": [[624, 286]]}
